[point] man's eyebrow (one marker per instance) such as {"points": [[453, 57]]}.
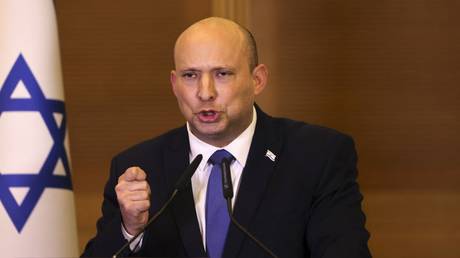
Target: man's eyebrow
{"points": [[189, 69], [219, 68], [231, 68]]}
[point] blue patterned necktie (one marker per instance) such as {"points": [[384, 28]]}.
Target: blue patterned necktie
{"points": [[217, 219]]}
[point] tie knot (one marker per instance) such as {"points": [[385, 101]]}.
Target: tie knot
{"points": [[219, 155]]}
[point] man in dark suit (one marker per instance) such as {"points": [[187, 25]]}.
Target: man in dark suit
{"points": [[295, 183]]}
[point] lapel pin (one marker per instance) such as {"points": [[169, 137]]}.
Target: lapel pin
{"points": [[270, 155]]}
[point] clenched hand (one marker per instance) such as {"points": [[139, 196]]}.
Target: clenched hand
{"points": [[133, 194]]}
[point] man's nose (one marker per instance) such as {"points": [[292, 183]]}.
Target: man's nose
{"points": [[206, 90]]}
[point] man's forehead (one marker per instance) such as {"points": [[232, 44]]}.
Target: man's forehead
{"points": [[196, 60], [216, 35], [209, 43], [207, 48]]}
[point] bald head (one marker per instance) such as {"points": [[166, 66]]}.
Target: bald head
{"points": [[216, 79], [222, 28]]}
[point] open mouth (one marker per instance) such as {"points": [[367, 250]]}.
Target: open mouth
{"points": [[208, 115]]}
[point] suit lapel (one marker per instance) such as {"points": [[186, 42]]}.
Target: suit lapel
{"points": [[176, 160], [255, 178]]}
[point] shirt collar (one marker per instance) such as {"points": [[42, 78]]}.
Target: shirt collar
{"points": [[239, 147]]}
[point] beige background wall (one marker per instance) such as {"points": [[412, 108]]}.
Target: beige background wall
{"points": [[385, 72]]}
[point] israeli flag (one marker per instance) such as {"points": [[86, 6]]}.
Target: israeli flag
{"points": [[37, 214]]}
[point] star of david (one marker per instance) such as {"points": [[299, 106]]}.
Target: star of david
{"points": [[37, 182]]}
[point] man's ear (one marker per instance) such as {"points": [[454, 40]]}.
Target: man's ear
{"points": [[173, 80], [259, 76]]}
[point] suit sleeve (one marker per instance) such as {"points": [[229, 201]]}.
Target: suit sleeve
{"points": [[109, 237], [336, 227]]}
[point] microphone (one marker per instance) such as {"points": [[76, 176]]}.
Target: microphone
{"points": [[228, 195], [227, 180], [179, 186]]}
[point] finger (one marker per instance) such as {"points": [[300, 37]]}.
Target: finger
{"points": [[124, 186], [136, 207], [125, 196], [138, 196], [133, 174], [142, 206], [130, 174], [137, 186], [126, 176]]}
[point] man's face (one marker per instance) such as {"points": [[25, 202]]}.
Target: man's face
{"points": [[213, 84]]}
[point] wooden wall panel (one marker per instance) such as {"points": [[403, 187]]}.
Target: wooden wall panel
{"points": [[385, 72], [413, 223]]}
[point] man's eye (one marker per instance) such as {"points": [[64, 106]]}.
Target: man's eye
{"points": [[189, 75], [224, 73]]}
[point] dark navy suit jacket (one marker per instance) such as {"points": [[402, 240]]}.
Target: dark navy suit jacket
{"points": [[305, 203]]}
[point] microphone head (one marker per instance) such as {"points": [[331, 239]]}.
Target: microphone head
{"points": [[226, 179], [188, 173]]}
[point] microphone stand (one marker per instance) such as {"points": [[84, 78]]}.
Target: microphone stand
{"points": [[228, 195], [152, 219]]}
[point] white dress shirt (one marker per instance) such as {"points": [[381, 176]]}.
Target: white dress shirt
{"points": [[239, 148]]}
